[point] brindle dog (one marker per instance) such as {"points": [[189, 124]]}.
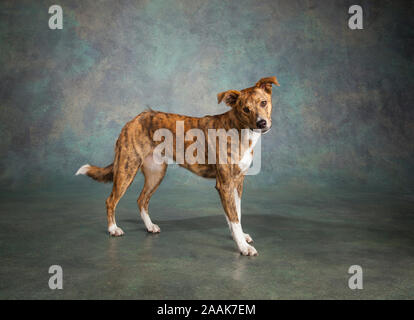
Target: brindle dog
{"points": [[251, 109]]}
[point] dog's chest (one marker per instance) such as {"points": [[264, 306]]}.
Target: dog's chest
{"points": [[246, 160], [247, 157]]}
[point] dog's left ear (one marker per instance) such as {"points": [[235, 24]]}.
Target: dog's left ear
{"points": [[266, 84], [230, 97]]}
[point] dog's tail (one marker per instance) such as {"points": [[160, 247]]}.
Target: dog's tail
{"points": [[99, 174]]}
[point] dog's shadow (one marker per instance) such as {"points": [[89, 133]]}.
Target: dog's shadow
{"points": [[215, 224], [177, 225]]}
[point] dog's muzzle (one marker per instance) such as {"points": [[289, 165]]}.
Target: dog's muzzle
{"points": [[263, 126]]}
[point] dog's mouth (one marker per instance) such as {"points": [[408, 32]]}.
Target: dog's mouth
{"points": [[266, 130]]}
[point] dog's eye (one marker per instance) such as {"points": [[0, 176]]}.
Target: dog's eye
{"points": [[263, 103], [245, 109]]}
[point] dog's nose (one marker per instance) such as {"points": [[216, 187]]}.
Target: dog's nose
{"points": [[261, 124]]}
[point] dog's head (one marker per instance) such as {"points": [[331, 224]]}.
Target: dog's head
{"points": [[253, 105]]}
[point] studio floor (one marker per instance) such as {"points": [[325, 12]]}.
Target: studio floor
{"points": [[307, 239]]}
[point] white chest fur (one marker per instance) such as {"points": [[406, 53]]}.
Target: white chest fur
{"points": [[247, 156]]}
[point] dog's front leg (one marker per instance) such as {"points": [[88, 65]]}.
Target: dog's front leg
{"points": [[227, 189], [238, 192]]}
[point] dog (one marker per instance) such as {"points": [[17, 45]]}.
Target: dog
{"points": [[251, 110]]}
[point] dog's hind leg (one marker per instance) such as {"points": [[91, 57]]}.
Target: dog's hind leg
{"points": [[126, 166], [154, 173]]}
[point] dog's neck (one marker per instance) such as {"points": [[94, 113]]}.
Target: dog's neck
{"points": [[229, 120]]}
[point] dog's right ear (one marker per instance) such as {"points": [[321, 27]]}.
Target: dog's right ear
{"points": [[230, 97]]}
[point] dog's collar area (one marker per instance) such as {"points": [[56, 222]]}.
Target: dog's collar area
{"points": [[267, 130]]}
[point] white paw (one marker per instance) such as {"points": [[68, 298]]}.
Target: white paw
{"points": [[115, 231], [248, 250], [154, 229], [248, 238]]}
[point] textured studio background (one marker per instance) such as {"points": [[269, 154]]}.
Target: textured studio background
{"points": [[343, 115]]}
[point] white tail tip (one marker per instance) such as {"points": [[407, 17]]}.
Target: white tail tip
{"points": [[83, 170]]}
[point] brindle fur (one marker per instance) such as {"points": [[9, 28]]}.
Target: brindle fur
{"points": [[136, 144]]}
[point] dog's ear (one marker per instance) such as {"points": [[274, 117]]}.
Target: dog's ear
{"points": [[229, 97], [266, 84]]}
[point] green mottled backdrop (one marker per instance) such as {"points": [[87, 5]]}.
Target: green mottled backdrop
{"points": [[343, 115]]}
